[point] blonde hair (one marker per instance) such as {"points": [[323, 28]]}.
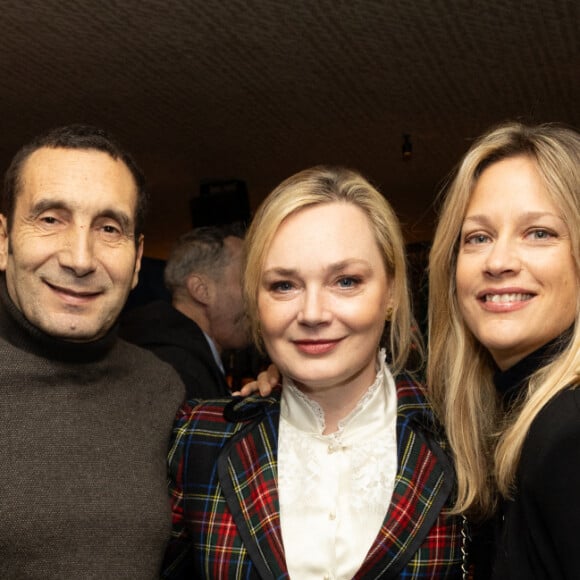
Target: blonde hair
{"points": [[334, 185], [487, 445]]}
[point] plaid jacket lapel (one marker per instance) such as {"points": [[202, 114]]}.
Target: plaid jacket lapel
{"points": [[423, 484], [247, 474]]}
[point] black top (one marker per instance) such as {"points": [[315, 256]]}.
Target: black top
{"points": [[539, 535], [179, 341], [25, 336], [511, 383]]}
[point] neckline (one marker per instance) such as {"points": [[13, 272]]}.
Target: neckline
{"points": [[510, 383], [18, 331]]}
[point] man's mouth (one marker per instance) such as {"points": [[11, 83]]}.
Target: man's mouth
{"points": [[79, 294]]}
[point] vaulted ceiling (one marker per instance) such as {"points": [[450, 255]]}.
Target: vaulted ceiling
{"points": [[259, 89]]}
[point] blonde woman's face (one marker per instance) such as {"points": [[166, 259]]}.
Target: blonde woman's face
{"points": [[323, 298], [517, 284]]}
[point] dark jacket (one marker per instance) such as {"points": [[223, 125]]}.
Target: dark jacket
{"points": [[225, 498], [179, 341], [540, 537]]}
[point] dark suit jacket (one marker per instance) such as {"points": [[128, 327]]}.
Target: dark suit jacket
{"points": [[177, 340], [225, 498]]}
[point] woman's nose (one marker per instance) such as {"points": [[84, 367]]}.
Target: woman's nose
{"points": [[314, 309], [503, 257]]}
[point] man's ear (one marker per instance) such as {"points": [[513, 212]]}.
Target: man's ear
{"points": [[197, 287], [138, 257], [4, 242]]}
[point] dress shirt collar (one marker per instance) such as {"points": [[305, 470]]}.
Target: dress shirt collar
{"points": [[215, 352]]}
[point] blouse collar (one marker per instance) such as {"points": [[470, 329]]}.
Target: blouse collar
{"points": [[307, 415]]}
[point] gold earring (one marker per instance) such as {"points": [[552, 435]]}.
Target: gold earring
{"points": [[389, 313]]}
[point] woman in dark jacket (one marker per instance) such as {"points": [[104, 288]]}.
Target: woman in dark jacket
{"points": [[504, 356]]}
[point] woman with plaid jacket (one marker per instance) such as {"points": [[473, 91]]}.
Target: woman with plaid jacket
{"points": [[341, 473]]}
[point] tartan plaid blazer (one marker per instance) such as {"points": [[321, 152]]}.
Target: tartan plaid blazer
{"points": [[226, 521]]}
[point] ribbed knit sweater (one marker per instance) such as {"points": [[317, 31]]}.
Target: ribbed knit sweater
{"points": [[84, 432]]}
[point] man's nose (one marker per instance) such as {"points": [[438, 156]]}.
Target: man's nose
{"points": [[77, 252]]}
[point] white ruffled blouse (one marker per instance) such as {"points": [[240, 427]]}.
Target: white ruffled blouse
{"points": [[335, 489]]}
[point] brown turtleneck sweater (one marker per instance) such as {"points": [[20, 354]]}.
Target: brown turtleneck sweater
{"points": [[84, 432]]}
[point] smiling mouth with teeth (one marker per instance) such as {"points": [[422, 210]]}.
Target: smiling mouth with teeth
{"points": [[505, 298]]}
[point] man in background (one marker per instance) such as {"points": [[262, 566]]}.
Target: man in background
{"points": [[85, 418], [206, 316]]}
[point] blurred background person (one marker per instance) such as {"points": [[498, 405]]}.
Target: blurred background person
{"points": [[206, 315]]}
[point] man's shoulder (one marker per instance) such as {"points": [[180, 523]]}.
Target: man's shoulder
{"points": [[151, 309], [145, 366], [159, 323]]}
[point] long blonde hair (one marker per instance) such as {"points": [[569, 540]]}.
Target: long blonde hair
{"points": [[487, 445], [324, 184]]}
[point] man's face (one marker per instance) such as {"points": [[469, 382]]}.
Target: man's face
{"points": [[227, 316], [71, 257]]}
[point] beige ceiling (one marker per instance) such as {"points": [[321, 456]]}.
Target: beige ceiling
{"points": [[259, 89]]}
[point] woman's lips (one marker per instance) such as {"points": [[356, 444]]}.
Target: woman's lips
{"points": [[314, 347]]}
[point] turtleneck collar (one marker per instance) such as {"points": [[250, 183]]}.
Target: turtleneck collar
{"points": [[17, 330], [509, 383]]}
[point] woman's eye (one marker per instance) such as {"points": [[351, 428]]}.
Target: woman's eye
{"points": [[476, 239], [348, 282], [282, 286], [541, 234]]}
